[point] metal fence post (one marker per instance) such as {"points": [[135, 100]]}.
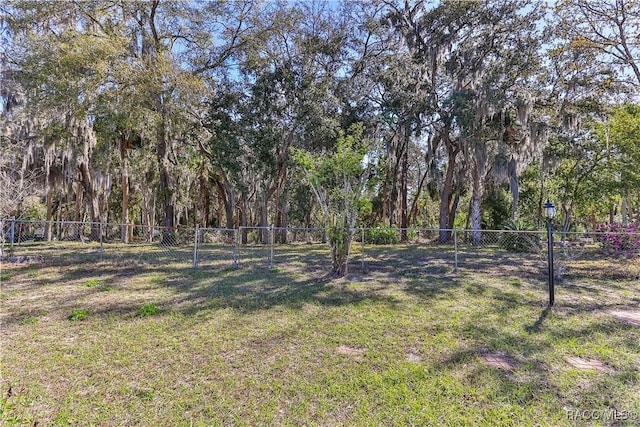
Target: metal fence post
{"points": [[455, 250], [12, 234], [195, 248]]}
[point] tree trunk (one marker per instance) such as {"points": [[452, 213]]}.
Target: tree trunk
{"points": [[168, 209], [59, 222], [453, 210], [229, 209], [243, 220], [384, 198], [126, 230], [81, 200], [125, 202], [78, 204], [476, 212], [205, 200], [568, 220], [340, 241], [415, 204], [164, 188], [92, 200], [612, 214], [479, 162], [404, 178], [394, 166], [148, 211], [264, 221], [220, 208], [514, 188], [447, 192], [476, 201], [283, 218], [230, 206], [49, 224], [539, 215]]}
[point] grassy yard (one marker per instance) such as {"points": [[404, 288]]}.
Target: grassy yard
{"points": [[114, 343]]}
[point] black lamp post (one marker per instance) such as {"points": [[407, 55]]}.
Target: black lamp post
{"points": [[550, 213]]}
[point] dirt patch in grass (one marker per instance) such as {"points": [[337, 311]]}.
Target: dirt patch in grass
{"points": [[631, 317], [413, 356], [498, 360], [589, 364], [354, 352]]}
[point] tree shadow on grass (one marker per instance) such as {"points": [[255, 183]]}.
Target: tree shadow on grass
{"points": [[248, 290], [243, 290], [432, 287], [425, 272], [406, 260]]}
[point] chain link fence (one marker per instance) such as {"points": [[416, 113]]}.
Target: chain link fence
{"points": [[402, 252], [597, 255]]}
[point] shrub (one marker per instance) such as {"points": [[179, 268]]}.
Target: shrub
{"points": [[618, 238], [515, 240], [382, 236]]}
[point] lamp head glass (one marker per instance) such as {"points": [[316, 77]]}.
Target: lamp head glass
{"points": [[549, 210]]}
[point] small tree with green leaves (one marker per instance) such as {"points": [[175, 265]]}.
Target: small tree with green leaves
{"points": [[338, 180]]}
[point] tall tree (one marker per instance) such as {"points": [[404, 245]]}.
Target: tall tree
{"points": [[61, 66], [478, 59], [292, 84], [152, 63], [621, 135], [592, 62], [609, 29]]}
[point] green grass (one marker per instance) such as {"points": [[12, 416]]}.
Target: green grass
{"points": [[147, 310], [79, 315], [28, 320], [516, 283], [287, 346], [92, 283], [5, 277]]}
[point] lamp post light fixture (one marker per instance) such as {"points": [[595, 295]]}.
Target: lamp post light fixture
{"points": [[550, 213]]}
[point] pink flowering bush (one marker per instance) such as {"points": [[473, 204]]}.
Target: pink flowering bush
{"points": [[618, 238]]}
